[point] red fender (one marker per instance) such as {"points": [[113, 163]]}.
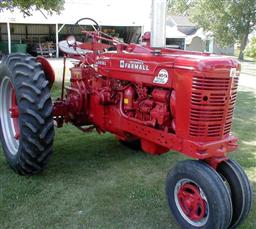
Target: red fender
{"points": [[48, 70]]}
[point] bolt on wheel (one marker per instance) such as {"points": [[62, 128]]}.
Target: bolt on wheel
{"points": [[191, 202]]}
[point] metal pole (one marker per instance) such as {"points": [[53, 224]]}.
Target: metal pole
{"points": [[9, 38], [158, 37], [63, 78], [57, 40]]}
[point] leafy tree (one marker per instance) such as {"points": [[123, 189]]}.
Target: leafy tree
{"points": [[251, 48], [26, 6], [229, 20]]}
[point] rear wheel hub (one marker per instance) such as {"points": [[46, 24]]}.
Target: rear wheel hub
{"points": [[9, 115]]}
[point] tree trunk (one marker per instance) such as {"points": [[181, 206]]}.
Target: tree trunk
{"points": [[243, 43]]}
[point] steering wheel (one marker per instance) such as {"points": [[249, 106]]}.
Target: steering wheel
{"points": [[95, 27]]}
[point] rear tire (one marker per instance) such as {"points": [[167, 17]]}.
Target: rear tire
{"points": [[26, 134], [198, 197], [240, 189]]}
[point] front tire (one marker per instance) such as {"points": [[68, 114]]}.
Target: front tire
{"points": [[26, 122], [198, 197], [240, 189]]}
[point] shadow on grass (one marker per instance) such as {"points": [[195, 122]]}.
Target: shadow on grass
{"points": [[90, 153]]}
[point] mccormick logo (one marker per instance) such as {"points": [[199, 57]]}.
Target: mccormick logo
{"points": [[162, 77], [134, 65]]}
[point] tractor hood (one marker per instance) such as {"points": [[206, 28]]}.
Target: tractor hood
{"points": [[145, 64]]}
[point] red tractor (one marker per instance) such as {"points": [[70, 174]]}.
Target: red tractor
{"points": [[156, 98]]}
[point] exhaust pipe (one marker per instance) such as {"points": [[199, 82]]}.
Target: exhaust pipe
{"points": [[158, 37]]}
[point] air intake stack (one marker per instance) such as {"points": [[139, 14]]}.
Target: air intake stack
{"points": [[158, 38]]}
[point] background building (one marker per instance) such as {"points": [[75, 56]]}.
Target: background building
{"points": [[40, 33], [195, 39]]}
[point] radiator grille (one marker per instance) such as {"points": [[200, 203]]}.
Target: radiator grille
{"points": [[209, 83], [212, 106]]}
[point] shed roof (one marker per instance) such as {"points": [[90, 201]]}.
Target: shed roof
{"points": [[105, 12]]}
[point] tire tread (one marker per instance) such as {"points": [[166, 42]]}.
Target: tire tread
{"points": [[35, 105]]}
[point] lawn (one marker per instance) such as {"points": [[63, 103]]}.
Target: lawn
{"points": [[249, 68], [93, 181]]}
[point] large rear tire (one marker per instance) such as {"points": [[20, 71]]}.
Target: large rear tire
{"points": [[26, 122], [197, 196]]}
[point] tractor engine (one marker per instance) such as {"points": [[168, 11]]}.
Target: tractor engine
{"points": [[77, 96], [148, 105]]}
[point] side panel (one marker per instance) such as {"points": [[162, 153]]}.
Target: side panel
{"points": [[137, 68]]}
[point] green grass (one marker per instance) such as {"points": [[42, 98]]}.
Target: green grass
{"points": [[93, 181], [249, 68], [247, 58]]}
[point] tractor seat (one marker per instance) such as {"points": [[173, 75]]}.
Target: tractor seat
{"points": [[64, 47]]}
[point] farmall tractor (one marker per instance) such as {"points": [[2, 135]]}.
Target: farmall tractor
{"points": [[146, 95]]}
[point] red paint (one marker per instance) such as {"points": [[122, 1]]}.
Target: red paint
{"points": [[215, 161], [176, 100], [48, 70], [191, 202], [129, 96], [14, 113]]}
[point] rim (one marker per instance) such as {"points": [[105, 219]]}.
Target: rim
{"points": [[9, 115], [191, 202]]}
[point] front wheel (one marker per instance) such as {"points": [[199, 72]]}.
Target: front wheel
{"points": [[26, 122], [197, 196], [240, 189]]}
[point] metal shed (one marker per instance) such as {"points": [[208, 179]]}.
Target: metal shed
{"points": [[15, 27]]}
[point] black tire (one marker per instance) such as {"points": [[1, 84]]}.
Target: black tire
{"points": [[35, 121], [240, 188], [134, 145], [213, 210]]}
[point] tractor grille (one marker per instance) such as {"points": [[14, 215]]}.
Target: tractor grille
{"points": [[212, 106]]}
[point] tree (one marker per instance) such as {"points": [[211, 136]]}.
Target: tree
{"points": [[229, 20], [251, 48], [26, 6]]}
